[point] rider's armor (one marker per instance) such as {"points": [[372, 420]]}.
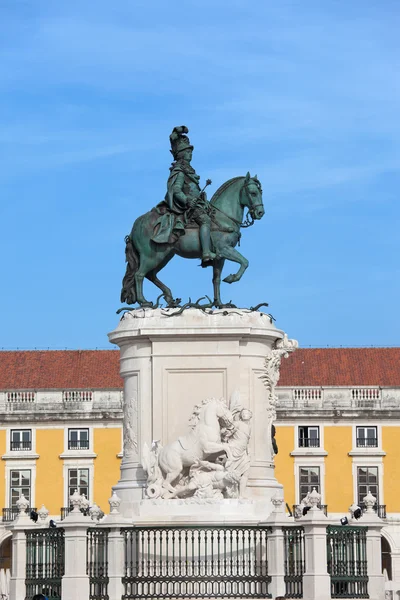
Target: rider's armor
{"points": [[182, 188]]}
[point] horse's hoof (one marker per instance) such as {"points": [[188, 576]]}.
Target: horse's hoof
{"points": [[146, 305], [230, 279], [174, 303]]}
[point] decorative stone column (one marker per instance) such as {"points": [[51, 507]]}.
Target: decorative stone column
{"points": [[316, 579], [115, 549], [75, 582], [18, 570], [376, 580], [276, 547], [169, 363]]}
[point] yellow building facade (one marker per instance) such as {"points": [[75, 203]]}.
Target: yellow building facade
{"points": [[337, 429]]}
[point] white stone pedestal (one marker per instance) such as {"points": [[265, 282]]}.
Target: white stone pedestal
{"points": [[170, 363]]}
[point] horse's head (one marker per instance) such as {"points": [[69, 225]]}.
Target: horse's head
{"points": [[251, 196], [223, 413]]}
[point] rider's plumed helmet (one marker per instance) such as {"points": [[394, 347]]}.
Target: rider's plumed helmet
{"points": [[179, 141]]}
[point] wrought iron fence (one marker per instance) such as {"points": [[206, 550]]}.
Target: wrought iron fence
{"points": [[196, 562], [347, 561], [97, 563], [294, 561], [44, 562]]}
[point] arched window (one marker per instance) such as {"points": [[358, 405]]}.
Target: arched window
{"points": [[386, 558], [5, 554]]}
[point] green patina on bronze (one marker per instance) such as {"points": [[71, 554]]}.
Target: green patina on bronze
{"points": [[185, 223]]}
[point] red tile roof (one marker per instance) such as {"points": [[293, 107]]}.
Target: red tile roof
{"points": [[59, 369], [98, 369], [342, 366]]}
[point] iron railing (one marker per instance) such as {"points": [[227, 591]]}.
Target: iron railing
{"points": [[294, 561], [309, 442], [363, 442], [97, 563], [298, 510], [347, 561], [380, 509], [45, 559], [65, 510], [194, 562], [9, 514], [78, 444], [22, 445]]}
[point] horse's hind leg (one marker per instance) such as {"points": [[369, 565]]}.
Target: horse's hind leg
{"points": [[152, 276], [146, 265]]}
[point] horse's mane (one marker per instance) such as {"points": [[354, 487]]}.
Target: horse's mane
{"points": [[223, 187], [194, 418]]}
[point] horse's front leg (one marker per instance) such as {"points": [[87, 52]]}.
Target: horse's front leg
{"points": [[231, 254], [218, 265], [213, 447]]}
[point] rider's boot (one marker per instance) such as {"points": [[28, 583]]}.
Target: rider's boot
{"points": [[205, 241]]}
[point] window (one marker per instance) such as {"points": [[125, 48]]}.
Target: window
{"points": [[20, 483], [309, 479], [367, 437], [78, 479], [21, 439], [367, 479], [78, 439], [309, 437]]}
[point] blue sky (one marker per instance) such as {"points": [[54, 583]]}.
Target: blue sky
{"points": [[305, 94]]}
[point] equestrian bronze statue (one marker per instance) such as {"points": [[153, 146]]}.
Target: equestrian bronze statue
{"points": [[187, 224]]}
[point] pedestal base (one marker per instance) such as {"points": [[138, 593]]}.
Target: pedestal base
{"points": [[170, 364]]}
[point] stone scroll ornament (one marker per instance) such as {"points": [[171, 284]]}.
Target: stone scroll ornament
{"points": [[209, 462], [270, 377]]}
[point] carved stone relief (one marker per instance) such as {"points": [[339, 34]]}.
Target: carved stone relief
{"points": [[211, 461]]}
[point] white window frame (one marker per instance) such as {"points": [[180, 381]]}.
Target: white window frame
{"points": [[307, 462], [86, 429], [305, 451], [309, 427], [78, 454], [20, 454], [365, 451], [16, 465], [21, 431], [78, 468], [75, 464], [365, 427], [379, 499], [368, 461]]}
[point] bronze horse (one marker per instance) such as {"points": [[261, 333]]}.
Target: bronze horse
{"points": [[146, 258]]}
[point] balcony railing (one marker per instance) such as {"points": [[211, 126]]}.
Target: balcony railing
{"points": [[380, 509], [307, 394], [9, 514], [77, 396], [19, 396], [26, 445], [78, 444], [365, 393], [65, 510], [309, 442], [299, 507], [367, 442]]}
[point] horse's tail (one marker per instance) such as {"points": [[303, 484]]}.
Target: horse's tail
{"points": [[128, 292]]}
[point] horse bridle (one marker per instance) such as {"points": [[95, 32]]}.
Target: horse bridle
{"points": [[249, 220]]}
